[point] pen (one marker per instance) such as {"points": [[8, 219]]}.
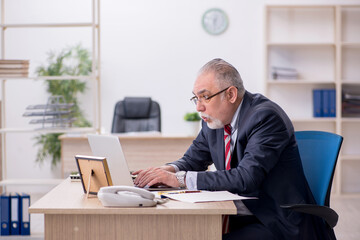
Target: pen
{"points": [[163, 193], [190, 191]]}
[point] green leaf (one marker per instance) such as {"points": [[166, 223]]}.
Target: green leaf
{"points": [[194, 116]]}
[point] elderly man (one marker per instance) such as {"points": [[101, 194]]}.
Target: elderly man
{"points": [[251, 142]]}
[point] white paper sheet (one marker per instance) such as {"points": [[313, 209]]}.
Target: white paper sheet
{"points": [[204, 196]]}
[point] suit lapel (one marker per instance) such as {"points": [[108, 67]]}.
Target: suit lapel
{"points": [[221, 146], [244, 108], [238, 148]]}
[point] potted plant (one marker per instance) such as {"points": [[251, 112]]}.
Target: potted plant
{"points": [[70, 61], [193, 121]]}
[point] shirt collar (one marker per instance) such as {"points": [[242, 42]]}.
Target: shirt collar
{"points": [[235, 120]]}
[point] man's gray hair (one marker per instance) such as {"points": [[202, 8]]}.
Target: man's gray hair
{"points": [[225, 74]]}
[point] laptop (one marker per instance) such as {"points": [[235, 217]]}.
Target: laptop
{"points": [[109, 146]]}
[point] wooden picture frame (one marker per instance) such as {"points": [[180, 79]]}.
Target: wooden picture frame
{"points": [[94, 173]]}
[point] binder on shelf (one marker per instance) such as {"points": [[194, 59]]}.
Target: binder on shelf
{"points": [[317, 102], [5, 214], [15, 214], [325, 102], [25, 216], [332, 102]]}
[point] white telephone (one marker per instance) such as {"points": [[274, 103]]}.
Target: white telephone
{"points": [[126, 196]]}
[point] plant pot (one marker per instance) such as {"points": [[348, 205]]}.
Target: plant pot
{"points": [[193, 128]]}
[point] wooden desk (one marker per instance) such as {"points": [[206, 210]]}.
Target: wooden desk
{"points": [[140, 151], [70, 215]]}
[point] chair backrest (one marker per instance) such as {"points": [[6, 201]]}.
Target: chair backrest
{"points": [[135, 114], [319, 152]]}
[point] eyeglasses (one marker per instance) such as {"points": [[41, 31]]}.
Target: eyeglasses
{"points": [[205, 98]]}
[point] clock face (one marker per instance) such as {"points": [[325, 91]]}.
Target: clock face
{"points": [[215, 21]]}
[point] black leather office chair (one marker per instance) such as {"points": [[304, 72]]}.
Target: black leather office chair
{"points": [[135, 114]]}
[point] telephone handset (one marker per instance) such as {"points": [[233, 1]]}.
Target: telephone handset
{"points": [[126, 196]]}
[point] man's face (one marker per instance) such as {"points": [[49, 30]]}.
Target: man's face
{"points": [[215, 111]]}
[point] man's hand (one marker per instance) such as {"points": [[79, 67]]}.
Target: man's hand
{"points": [[155, 176]]}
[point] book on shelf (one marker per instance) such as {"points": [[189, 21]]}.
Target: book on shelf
{"points": [[324, 102]]}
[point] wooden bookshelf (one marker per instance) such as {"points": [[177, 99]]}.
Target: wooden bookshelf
{"points": [[322, 43], [10, 25]]}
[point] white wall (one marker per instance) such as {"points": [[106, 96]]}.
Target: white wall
{"points": [[148, 48], [158, 47]]}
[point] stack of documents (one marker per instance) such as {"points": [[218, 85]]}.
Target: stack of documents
{"points": [[56, 113], [284, 73], [202, 196], [14, 68], [351, 102]]}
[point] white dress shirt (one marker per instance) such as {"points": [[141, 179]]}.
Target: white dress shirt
{"points": [[191, 176]]}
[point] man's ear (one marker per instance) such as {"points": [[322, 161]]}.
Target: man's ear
{"points": [[232, 94]]}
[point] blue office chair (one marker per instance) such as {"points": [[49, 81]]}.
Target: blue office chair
{"points": [[319, 152]]}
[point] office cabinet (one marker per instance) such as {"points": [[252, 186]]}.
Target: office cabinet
{"points": [[319, 46]]}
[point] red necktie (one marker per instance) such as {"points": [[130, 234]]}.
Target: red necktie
{"points": [[227, 141]]}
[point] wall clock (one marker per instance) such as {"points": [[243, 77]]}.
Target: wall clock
{"points": [[215, 21]]}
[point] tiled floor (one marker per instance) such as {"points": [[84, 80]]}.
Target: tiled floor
{"points": [[348, 208]]}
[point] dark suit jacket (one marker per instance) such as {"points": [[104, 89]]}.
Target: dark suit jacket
{"points": [[265, 163]]}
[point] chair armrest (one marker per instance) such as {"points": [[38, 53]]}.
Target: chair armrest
{"points": [[328, 214]]}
